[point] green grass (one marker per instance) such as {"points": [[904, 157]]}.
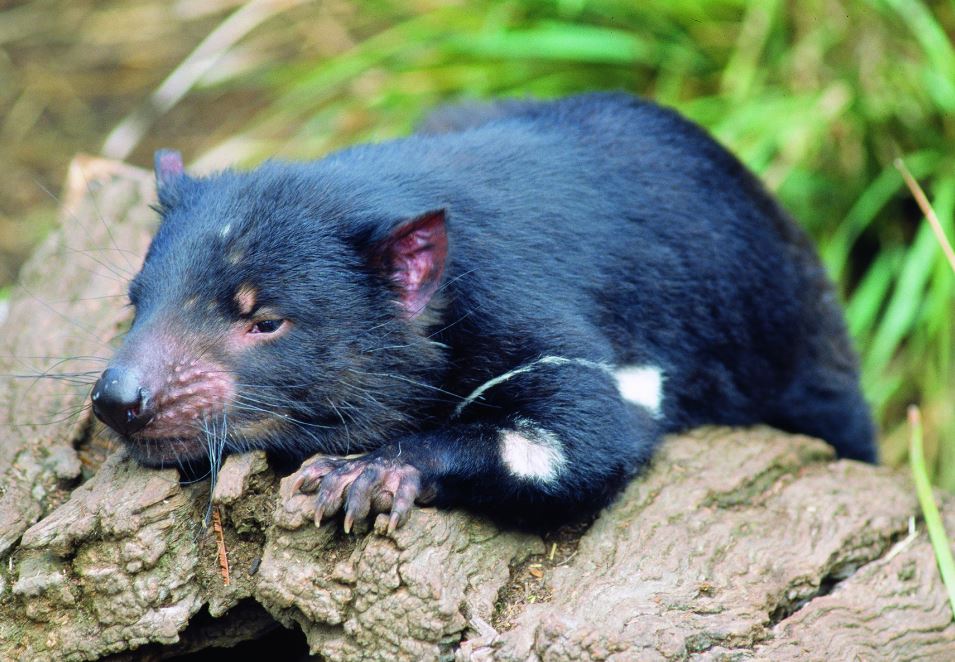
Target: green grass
{"points": [[819, 97], [941, 546]]}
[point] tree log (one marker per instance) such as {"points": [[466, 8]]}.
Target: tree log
{"points": [[734, 545]]}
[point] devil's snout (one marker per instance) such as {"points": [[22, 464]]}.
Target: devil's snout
{"points": [[121, 401]]}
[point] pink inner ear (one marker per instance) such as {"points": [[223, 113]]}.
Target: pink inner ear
{"points": [[168, 166], [416, 252], [170, 163]]}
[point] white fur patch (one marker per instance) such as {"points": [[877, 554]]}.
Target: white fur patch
{"points": [[532, 453], [534, 365], [641, 385]]}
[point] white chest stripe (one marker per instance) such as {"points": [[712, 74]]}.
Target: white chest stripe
{"points": [[532, 453], [641, 385], [547, 360]]}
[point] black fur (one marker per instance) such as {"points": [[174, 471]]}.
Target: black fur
{"points": [[601, 229]]}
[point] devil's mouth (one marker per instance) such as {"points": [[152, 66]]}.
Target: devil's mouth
{"points": [[154, 432], [166, 452], [161, 444], [155, 446]]}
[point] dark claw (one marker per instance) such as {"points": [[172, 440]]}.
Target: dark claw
{"points": [[359, 496], [331, 490], [369, 484], [404, 498]]}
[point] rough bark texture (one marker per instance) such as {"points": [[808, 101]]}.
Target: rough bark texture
{"points": [[735, 545]]}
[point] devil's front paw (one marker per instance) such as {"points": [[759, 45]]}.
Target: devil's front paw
{"points": [[370, 484]]}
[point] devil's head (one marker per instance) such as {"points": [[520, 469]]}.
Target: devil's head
{"points": [[273, 310]]}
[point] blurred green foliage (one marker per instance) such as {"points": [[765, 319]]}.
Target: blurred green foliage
{"points": [[818, 97]]}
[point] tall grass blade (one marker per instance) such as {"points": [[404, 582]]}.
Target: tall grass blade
{"points": [[933, 521]]}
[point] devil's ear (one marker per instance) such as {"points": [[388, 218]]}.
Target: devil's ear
{"points": [[412, 256], [169, 169]]}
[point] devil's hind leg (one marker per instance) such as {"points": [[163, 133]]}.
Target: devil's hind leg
{"points": [[829, 405]]}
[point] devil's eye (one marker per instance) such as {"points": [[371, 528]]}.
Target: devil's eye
{"points": [[266, 326]]}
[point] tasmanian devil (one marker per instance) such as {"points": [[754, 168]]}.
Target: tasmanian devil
{"points": [[504, 311]]}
